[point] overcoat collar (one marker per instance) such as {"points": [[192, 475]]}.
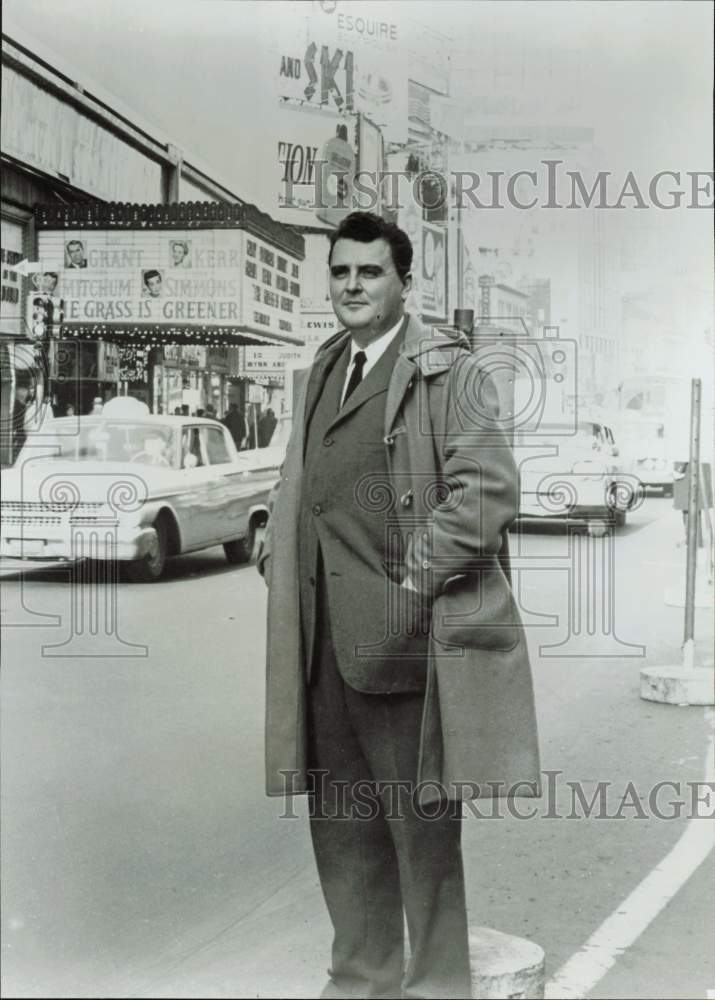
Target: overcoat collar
{"points": [[425, 352], [326, 357]]}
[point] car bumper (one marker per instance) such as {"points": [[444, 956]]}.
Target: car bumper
{"points": [[567, 499], [656, 481], [82, 542]]}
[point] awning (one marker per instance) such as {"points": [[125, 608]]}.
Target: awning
{"points": [[151, 335]]}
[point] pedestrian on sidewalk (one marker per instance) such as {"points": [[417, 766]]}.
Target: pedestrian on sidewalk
{"points": [[266, 426], [398, 676], [22, 401], [236, 424]]}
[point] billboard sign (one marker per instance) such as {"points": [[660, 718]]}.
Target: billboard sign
{"points": [[270, 362], [304, 142], [345, 58], [433, 277], [216, 281]]}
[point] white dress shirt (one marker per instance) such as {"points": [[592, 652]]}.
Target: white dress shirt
{"points": [[373, 352]]}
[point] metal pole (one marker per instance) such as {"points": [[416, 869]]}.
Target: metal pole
{"points": [[693, 515]]}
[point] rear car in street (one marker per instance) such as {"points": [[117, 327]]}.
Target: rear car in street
{"points": [[576, 477], [647, 453]]}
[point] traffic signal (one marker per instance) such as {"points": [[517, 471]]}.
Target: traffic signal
{"points": [[41, 312]]}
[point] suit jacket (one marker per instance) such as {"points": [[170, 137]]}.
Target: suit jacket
{"points": [[453, 476], [348, 513]]}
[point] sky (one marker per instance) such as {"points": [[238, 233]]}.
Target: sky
{"points": [[200, 71], [203, 74]]}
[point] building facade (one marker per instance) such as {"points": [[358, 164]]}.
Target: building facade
{"points": [[65, 143]]}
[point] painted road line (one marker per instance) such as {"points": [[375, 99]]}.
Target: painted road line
{"points": [[618, 932]]}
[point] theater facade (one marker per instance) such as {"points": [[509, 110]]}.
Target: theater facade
{"points": [[139, 271]]}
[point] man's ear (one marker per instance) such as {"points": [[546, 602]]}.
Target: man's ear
{"points": [[406, 286]]}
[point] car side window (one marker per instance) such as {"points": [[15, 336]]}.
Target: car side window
{"points": [[216, 448], [191, 445]]}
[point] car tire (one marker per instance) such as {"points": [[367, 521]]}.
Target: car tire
{"points": [[243, 550], [151, 567]]}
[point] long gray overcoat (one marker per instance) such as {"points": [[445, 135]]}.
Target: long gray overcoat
{"points": [[454, 474]]}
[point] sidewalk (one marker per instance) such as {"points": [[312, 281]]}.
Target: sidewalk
{"points": [[553, 881]]}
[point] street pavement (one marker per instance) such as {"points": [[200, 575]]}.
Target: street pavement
{"points": [[141, 858]]}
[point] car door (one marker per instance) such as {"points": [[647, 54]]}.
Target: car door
{"points": [[246, 478], [197, 494], [225, 475]]}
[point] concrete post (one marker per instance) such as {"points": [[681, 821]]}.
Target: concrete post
{"points": [[505, 967]]}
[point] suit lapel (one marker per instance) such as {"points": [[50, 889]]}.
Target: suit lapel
{"points": [[376, 381], [318, 374]]}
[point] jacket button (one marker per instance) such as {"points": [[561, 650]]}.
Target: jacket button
{"points": [[327, 442], [312, 581], [317, 509], [406, 499], [389, 439], [426, 564]]}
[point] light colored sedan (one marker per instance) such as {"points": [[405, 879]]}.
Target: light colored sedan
{"points": [[571, 473], [137, 489]]}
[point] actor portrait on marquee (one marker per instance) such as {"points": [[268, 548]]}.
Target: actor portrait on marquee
{"points": [[180, 253], [74, 254], [152, 283]]}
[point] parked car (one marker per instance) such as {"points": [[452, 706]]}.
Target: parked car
{"points": [[135, 488], [646, 454], [579, 478]]}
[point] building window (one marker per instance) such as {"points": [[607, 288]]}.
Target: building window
{"points": [[13, 248], [266, 256]]}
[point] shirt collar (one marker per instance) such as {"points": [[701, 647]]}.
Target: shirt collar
{"points": [[376, 348]]}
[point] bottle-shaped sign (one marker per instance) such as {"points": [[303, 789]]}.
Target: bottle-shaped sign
{"points": [[334, 188]]}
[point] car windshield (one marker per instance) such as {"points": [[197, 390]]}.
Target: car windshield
{"points": [[643, 437], [562, 435], [107, 441]]}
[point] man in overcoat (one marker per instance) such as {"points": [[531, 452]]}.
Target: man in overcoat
{"points": [[398, 678]]}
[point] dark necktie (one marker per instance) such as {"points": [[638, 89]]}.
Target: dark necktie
{"points": [[355, 375]]}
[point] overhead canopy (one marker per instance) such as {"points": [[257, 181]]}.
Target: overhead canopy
{"points": [[208, 273], [155, 336]]}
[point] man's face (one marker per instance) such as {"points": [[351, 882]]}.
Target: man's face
{"points": [[177, 252], [367, 294], [76, 253], [49, 283], [154, 285]]}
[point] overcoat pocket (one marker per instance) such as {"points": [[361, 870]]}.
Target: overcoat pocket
{"points": [[477, 611]]}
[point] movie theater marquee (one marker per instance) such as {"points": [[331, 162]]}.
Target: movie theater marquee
{"points": [[226, 281]]}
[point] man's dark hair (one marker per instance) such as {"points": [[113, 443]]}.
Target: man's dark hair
{"points": [[151, 274], [76, 243], [365, 227]]}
